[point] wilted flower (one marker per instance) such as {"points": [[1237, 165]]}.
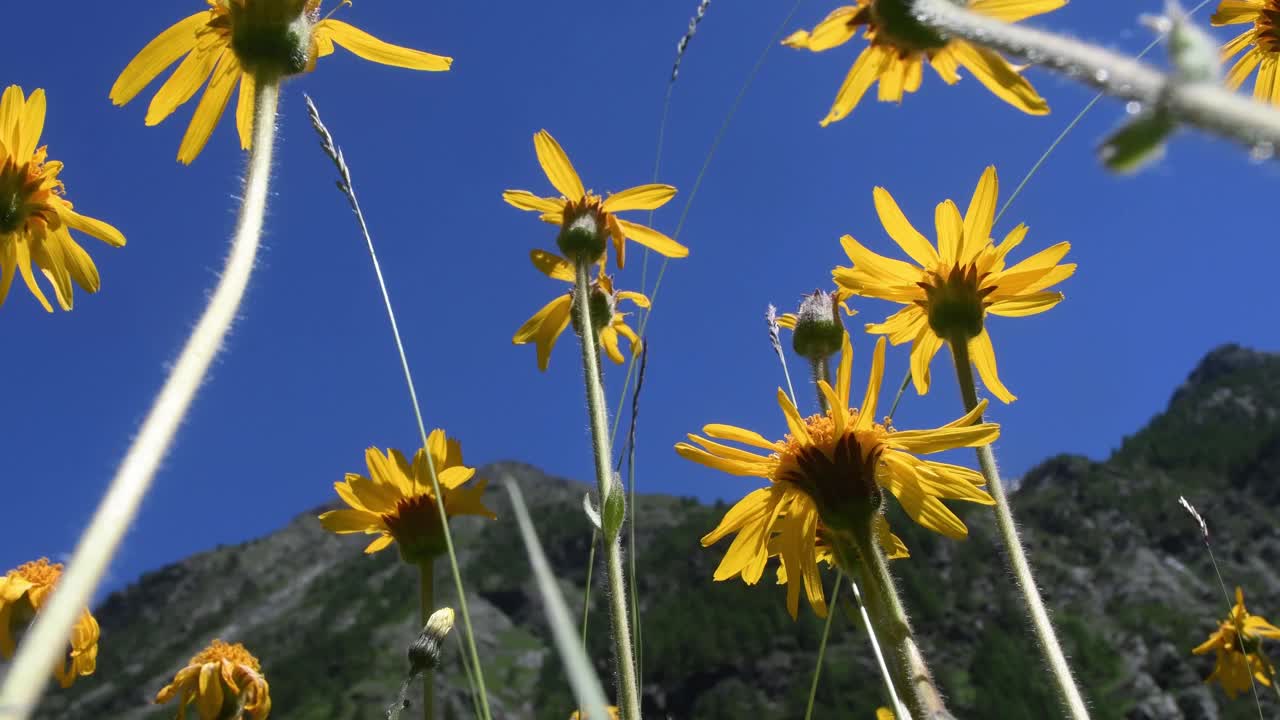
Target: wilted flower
{"points": [[1263, 41], [546, 325], [1237, 645], [222, 681], [397, 503], [898, 46], [23, 592], [587, 220], [245, 41], [830, 471], [36, 219], [955, 286]]}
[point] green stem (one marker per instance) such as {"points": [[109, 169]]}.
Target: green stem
{"points": [[822, 645], [586, 591], [821, 370], [1069, 693], [624, 657], [907, 668], [427, 602]]}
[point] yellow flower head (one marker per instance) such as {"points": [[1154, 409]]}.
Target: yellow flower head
{"points": [[36, 219], [898, 46], [545, 327], [23, 591], [1264, 37], [396, 502], [956, 285], [1237, 660], [614, 714], [245, 41], [829, 472], [222, 681], [586, 220]]}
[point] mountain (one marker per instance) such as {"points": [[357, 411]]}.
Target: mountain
{"points": [[1122, 565]]}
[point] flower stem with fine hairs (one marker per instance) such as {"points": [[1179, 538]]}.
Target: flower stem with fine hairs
{"points": [[47, 639], [345, 185], [860, 552], [427, 601], [1203, 105], [1067, 690], [611, 497]]}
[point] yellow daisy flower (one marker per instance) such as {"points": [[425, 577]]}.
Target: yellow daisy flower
{"points": [[1263, 41], [23, 591], [546, 325], [396, 502], [586, 218], [833, 467], [222, 681], [956, 285], [898, 47], [245, 41], [614, 714], [36, 219], [1237, 660]]}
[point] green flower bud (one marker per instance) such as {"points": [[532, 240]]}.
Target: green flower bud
{"points": [[601, 309], [819, 333]]}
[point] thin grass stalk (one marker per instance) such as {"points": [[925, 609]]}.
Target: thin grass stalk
{"points": [[29, 673], [693, 193], [1068, 693], [919, 698], [632, 550], [586, 592], [624, 656], [345, 185], [427, 604], [822, 645]]}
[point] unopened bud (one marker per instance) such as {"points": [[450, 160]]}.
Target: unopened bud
{"points": [[424, 653], [819, 333]]}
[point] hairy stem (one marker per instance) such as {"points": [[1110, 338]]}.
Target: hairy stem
{"points": [[427, 602], [624, 657], [47, 640], [1067, 690], [1206, 106], [907, 667]]}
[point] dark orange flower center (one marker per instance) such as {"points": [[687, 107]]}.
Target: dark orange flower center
{"points": [[837, 471], [415, 524], [39, 572], [955, 301], [25, 194], [235, 653]]}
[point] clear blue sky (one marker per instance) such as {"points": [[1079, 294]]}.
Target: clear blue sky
{"points": [[1172, 262]]}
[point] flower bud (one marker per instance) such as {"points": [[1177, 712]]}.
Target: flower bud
{"points": [[424, 653], [819, 333], [602, 304]]}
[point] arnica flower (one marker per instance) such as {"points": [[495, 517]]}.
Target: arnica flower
{"points": [[956, 285], [245, 41], [898, 46], [1263, 41], [614, 714], [36, 219], [397, 503], [587, 220], [1237, 657], [222, 681], [546, 325], [23, 591], [829, 471]]}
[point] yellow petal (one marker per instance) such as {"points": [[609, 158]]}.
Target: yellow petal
{"points": [[885, 271], [209, 697], [980, 215], [715, 462], [864, 72], [244, 111], [30, 125], [915, 245], [950, 229], [552, 265], [211, 107], [925, 348], [642, 197], [1264, 86], [1014, 10], [371, 48], [555, 163], [834, 30], [91, 226], [867, 412], [902, 326], [1241, 70], [994, 72], [24, 268], [547, 326], [795, 423], [984, 358], [608, 338], [925, 442], [798, 40], [1238, 43], [727, 451], [749, 509], [158, 54], [635, 297], [350, 521], [1026, 305], [844, 373], [652, 239], [12, 106], [526, 200], [379, 544], [183, 84], [737, 434], [1232, 12]]}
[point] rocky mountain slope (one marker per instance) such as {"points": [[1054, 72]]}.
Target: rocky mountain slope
{"points": [[1122, 565]]}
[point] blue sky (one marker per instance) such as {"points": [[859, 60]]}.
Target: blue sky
{"points": [[1172, 262]]}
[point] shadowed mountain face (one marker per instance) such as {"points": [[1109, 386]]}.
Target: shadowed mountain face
{"points": [[1120, 562]]}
